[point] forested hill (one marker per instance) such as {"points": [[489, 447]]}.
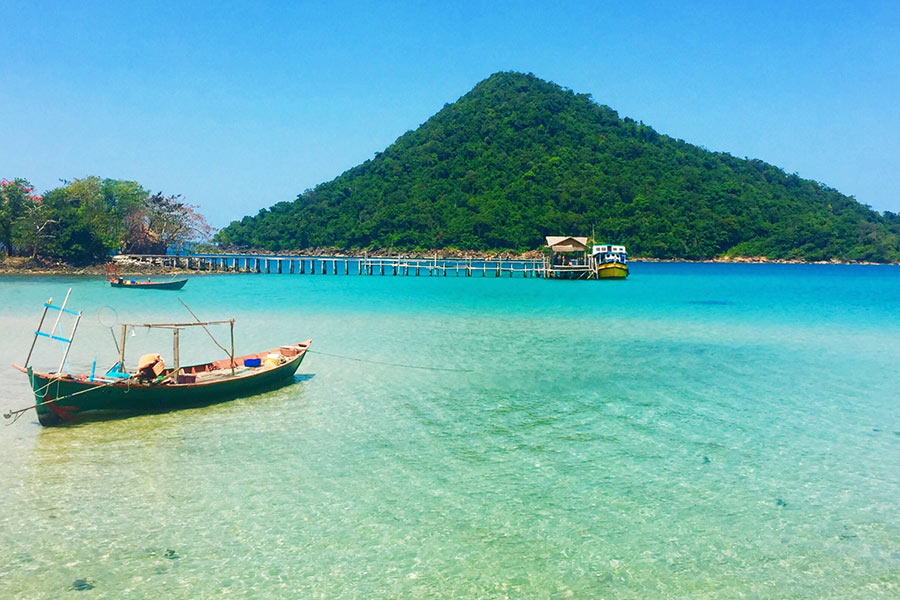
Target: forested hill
{"points": [[518, 158]]}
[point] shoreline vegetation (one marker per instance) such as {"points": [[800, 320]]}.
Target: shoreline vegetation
{"points": [[84, 220], [512, 160], [37, 266], [518, 158]]}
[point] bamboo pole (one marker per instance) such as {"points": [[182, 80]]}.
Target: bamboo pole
{"points": [[215, 341], [175, 353], [122, 347], [34, 341], [179, 325], [59, 315], [69, 345]]}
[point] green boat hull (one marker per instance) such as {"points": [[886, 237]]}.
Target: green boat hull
{"points": [[175, 284], [66, 400]]}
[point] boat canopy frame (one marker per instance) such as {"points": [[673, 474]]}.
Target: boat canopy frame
{"points": [[176, 328]]}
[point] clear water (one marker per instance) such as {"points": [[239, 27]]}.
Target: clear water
{"points": [[698, 431]]}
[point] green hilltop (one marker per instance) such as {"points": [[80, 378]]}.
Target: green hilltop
{"points": [[518, 158]]}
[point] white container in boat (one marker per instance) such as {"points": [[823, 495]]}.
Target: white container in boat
{"points": [[273, 360]]}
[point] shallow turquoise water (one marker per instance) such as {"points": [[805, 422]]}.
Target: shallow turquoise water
{"points": [[698, 431]]}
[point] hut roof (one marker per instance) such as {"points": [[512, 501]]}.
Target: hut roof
{"points": [[562, 243]]}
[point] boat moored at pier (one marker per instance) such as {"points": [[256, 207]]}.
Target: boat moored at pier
{"points": [[609, 261], [573, 258]]}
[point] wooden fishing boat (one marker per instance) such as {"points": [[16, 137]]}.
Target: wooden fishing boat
{"points": [[64, 398], [174, 284], [117, 281]]}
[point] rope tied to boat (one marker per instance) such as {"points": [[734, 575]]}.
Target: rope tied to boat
{"points": [[20, 411], [391, 364]]}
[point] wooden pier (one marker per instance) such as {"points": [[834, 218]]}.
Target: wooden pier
{"points": [[343, 265]]}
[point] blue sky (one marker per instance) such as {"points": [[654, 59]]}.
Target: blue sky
{"points": [[239, 105]]}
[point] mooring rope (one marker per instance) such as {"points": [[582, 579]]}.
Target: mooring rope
{"points": [[19, 412], [390, 364]]}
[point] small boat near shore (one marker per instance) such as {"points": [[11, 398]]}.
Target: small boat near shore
{"points": [[62, 398], [117, 281]]}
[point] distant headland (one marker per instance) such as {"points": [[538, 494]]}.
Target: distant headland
{"points": [[518, 158], [512, 161]]}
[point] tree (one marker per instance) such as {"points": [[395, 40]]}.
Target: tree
{"points": [[120, 199], [35, 228], [16, 197], [88, 218], [68, 237], [163, 222]]}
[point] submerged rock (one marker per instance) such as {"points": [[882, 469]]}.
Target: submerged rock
{"points": [[81, 585]]}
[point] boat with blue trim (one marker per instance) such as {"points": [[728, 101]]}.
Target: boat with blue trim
{"points": [[610, 261], [61, 397]]}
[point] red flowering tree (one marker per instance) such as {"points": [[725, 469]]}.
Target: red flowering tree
{"points": [[163, 222]]}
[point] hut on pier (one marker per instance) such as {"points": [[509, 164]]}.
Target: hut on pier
{"points": [[568, 257]]}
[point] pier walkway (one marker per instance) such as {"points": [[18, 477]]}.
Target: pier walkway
{"points": [[347, 265]]}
